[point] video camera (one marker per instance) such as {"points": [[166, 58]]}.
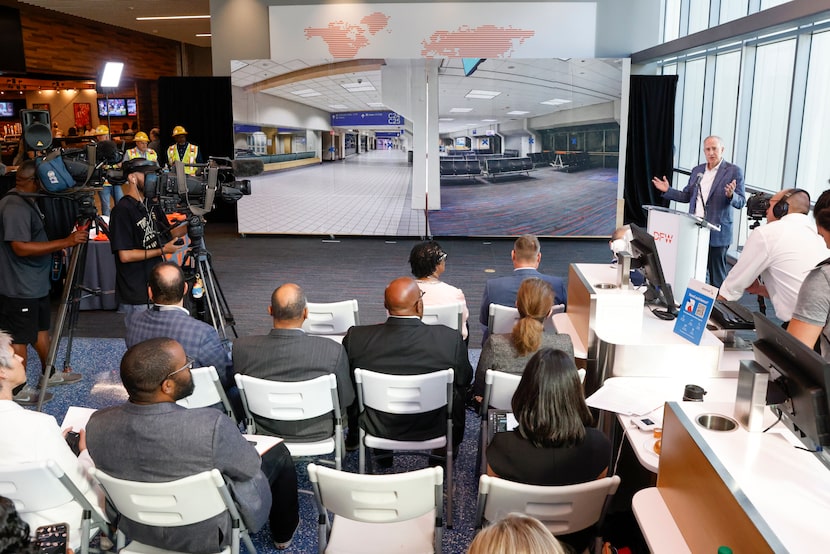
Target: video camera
{"points": [[175, 190], [757, 206]]}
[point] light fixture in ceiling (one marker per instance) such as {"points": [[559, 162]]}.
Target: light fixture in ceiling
{"points": [[306, 93], [460, 110], [482, 94], [556, 102], [171, 17]]}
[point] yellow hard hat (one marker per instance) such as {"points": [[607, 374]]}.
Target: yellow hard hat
{"points": [[102, 130], [179, 130], [141, 136]]}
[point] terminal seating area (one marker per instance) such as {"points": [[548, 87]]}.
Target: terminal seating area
{"points": [[276, 162], [459, 167], [572, 162], [505, 166]]}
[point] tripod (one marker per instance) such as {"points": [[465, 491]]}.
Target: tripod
{"points": [[197, 263], [67, 316]]}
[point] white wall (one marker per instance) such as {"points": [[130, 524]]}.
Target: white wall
{"points": [[597, 113], [264, 109]]}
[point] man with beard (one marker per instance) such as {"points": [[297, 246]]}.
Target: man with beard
{"points": [[152, 439], [140, 237]]}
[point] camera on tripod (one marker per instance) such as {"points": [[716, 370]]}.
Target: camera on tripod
{"points": [[757, 206], [175, 191]]}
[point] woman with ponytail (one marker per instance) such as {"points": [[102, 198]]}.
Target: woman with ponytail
{"points": [[511, 352]]}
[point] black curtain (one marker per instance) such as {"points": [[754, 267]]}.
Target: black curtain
{"points": [[203, 106], [650, 138]]}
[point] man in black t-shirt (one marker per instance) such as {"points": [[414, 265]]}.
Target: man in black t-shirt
{"points": [[140, 237]]}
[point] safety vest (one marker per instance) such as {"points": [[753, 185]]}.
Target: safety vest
{"points": [[148, 154], [190, 155]]}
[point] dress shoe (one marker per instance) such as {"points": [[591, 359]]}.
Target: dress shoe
{"points": [[352, 441]]}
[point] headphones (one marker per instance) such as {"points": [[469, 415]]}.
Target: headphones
{"points": [[782, 207]]}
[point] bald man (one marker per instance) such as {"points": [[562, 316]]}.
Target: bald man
{"points": [[169, 318], [404, 345], [288, 354], [781, 252]]}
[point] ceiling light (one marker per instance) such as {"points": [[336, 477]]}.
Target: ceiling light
{"points": [[168, 17], [482, 94], [375, 104], [517, 112], [358, 87], [446, 119], [307, 93], [202, 35], [556, 102], [237, 65], [460, 110], [337, 106], [489, 120]]}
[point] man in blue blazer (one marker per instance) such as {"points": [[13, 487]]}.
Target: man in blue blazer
{"points": [[526, 256], [714, 189]]}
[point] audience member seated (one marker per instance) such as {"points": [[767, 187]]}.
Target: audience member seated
{"points": [[169, 318], [428, 261], [811, 317], [554, 443], [526, 256], [288, 354], [151, 438], [515, 533], [29, 436], [404, 345], [510, 353], [14, 532]]}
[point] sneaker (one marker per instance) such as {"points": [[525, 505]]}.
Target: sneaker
{"points": [[64, 378], [29, 396]]}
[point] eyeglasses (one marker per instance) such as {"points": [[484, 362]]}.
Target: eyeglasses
{"points": [[188, 365], [420, 297], [442, 257]]}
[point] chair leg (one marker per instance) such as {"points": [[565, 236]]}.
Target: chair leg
{"points": [[449, 486]]}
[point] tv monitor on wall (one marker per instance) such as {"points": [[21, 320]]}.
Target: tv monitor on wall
{"points": [[6, 109], [131, 109], [112, 107]]}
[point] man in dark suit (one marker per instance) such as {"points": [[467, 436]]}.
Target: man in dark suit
{"points": [[404, 345], [526, 256], [169, 318], [152, 439], [714, 188], [288, 354]]}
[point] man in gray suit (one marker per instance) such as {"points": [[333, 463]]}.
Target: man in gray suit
{"points": [[153, 439], [288, 354]]}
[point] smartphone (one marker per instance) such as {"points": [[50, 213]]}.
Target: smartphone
{"points": [[52, 539], [73, 439], [644, 423]]}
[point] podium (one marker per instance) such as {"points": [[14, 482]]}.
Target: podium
{"points": [[683, 245]]}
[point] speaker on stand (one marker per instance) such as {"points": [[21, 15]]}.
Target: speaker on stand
{"points": [[37, 129]]}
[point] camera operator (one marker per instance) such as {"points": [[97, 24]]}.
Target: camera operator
{"points": [[782, 252], [25, 264], [140, 237]]}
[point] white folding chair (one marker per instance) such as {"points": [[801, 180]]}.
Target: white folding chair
{"points": [[562, 509], [173, 504], [331, 319], [207, 391], [498, 393], [451, 315], [502, 319], [408, 395], [295, 401], [378, 514], [40, 486]]}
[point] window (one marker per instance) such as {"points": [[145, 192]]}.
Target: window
{"points": [[732, 9], [813, 161], [725, 101], [770, 110], [671, 29], [692, 114], [698, 16]]}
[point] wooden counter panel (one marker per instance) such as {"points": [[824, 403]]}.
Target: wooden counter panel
{"points": [[703, 507], [579, 306]]}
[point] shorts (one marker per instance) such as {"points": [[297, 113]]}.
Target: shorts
{"points": [[23, 318]]}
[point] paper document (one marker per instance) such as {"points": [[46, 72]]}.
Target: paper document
{"points": [[76, 417], [622, 399], [262, 443]]}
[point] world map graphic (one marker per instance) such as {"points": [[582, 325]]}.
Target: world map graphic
{"points": [[345, 40]]}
